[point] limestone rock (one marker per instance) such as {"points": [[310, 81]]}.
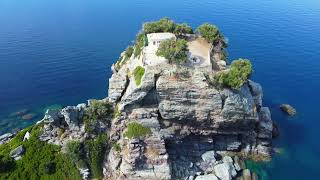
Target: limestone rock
{"points": [[117, 85], [265, 126], [26, 136], [52, 116], [207, 177], [72, 116], [257, 93], [209, 156], [5, 138], [246, 174], [17, 152], [225, 171]]}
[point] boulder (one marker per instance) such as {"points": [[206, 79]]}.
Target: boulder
{"points": [[73, 115], [227, 159], [26, 136], [288, 109], [17, 152], [52, 116], [239, 163], [225, 171], [246, 174], [5, 138], [207, 177], [209, 157]]}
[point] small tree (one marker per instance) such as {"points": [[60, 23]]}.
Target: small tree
{"points": [[209, 32], [173, 50], [237, 75], [163, 25], [181, 29]]}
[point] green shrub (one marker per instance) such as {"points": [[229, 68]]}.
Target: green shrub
{"points": [[75, 151], [40, 160], [210, 32], [167, 25], [96, 149], [138, 73], [163, 25], [129, 51], [237, 75], [183, 28], [139, 44], [98, 110], [116, 147], [173, 50], [136, 130]]}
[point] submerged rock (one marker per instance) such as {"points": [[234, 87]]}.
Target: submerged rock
{"points": [[29, 116], [288, 109], [19, 113]]}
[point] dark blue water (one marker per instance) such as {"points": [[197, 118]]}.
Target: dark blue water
{"points": [[60, 52]]}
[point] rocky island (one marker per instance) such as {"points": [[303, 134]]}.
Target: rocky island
{"points": [[175, 110]]}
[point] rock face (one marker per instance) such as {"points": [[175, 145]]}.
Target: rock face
{"points": [[17, 152], [190, 119], [5, 138], [60, 126]]}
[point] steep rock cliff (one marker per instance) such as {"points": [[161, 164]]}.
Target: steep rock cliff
{"points": [[188, 115]]}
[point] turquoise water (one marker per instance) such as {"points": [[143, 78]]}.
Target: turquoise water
{"points": [[60, 52]]}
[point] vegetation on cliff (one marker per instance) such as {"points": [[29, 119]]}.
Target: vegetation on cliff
{"points": [[211, 33], [40, 160], [239, 73], [138, 73], [174, 50], [167, 25], [97, 111], [96, 149], [136, 130]]}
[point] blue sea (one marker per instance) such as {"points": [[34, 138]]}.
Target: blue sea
{"points": [[57, 53]]}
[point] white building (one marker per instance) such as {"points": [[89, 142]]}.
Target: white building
{"points": [[198, 55], [154, 40]]}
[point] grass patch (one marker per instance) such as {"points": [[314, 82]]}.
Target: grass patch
{"points": [[116, 147], [40, 160], [136, 130], [138, 73]]}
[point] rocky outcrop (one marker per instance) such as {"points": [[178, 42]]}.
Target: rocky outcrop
{"points": [[60, 126], [17, 152], [191, 119], [288, 109], [5, 138]]}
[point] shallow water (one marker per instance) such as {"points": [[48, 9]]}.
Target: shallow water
{"points": [[60, 52]]}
